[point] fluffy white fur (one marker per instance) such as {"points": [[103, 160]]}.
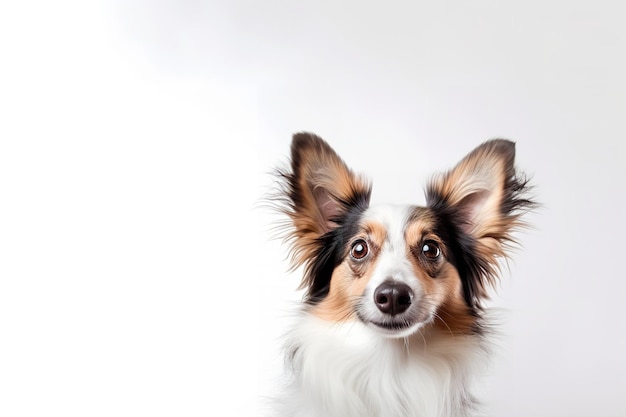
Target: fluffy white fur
{"points": [[346, 369]]}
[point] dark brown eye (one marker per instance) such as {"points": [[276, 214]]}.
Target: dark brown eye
{"points": [[359, 249], [431, 250]]}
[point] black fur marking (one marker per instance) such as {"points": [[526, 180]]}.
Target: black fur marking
{"points": [[461, 252], [332, 248]]}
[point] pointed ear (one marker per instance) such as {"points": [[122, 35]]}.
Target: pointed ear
{"points": [[319, 192], [481, 199]]}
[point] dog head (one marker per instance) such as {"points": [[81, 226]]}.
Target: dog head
{"points": [[400, 268]]}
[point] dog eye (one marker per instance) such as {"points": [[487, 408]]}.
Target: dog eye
{"points": [[431, 250], [359, 249]]}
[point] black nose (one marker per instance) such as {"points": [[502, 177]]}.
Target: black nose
{"points": [[393, 298]]}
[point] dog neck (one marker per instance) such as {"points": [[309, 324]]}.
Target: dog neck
{"points": [[342, 369]]}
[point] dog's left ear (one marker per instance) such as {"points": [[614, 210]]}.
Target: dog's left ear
{"points": [[481, 200]]}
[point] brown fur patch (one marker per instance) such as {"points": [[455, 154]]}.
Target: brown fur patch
{"points": [[453, 315], [440, 283]]}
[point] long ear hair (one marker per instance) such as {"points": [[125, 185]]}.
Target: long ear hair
{"points": [[318, 194], [479, 204]]}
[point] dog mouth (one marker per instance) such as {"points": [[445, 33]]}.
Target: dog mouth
{"points": [[393, 325], [401, 325]]}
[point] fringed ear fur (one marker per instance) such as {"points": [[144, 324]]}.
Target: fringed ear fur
{"points": [[318, 194], [479, 203]]}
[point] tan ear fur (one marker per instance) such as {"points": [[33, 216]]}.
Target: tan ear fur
{"points": [[320, 190], [476, 186], [482, 197]]}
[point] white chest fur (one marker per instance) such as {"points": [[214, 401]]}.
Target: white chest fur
{"points": [[348, 370]]}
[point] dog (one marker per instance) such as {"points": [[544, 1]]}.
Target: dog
{"points": [[393, 322]]}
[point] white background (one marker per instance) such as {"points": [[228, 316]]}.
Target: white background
{"points": [[137, 274]]}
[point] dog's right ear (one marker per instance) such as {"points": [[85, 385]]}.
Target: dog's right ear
{"points": [[318, 194]]}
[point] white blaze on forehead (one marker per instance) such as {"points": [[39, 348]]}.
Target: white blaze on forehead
{"points": [[393, 218], [392, 262]]}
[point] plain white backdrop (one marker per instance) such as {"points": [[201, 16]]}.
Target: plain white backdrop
{"points": [[137, 271]]}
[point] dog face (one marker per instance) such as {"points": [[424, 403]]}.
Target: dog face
{"points": [[400, 268], [395, 274]]}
